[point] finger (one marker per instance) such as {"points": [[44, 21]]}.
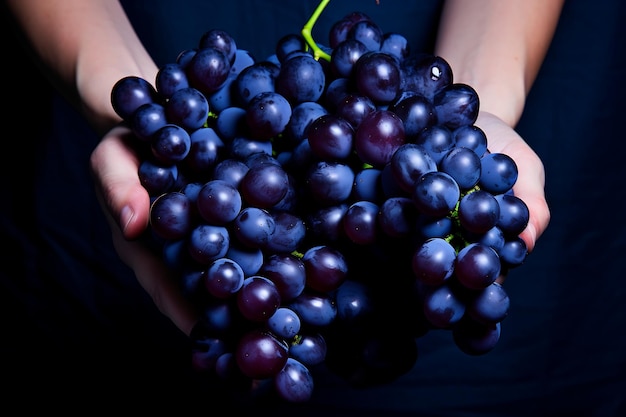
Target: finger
{"points": [[118, 184]]}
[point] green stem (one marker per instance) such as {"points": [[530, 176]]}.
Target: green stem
{"points": [[308, 28]]}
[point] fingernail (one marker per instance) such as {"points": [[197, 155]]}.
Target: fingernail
{"points": [[126, 216]]}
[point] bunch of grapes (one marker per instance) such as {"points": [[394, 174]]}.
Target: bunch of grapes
{"points": [[326, 205]]}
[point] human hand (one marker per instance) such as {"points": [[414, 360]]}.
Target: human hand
{"points": [[531, 175], [126, 204]]}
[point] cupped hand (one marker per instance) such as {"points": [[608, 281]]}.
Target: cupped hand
{"points": [[531, 174], [126, 203]]}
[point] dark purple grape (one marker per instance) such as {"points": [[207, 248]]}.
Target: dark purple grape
{"points": [[360, 222], [294, 383], [325, 223], [207, 70], [187, 108], [220, 40], [260, 355], [377, 76], [301, 78], [330, 137], [258, 298], [433, 261], [129, 93], [171, 216], [170, 144], [353, 108], [219, 202], [477, 266], [379, 135], [354, 302], [224, 277], [478, 211], [170, 78], [147, 119], [456, 105], [326, 268], [264, 185]]}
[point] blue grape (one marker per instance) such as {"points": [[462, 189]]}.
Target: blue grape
{"points": [[301, 78], [253, 227], [129, 93], [436, 193], [433, 261], [309, 349], [267, 115], [207, 70], [284, 323], [170, 144], [147, 119], [287, 272], [188, 108], [456, 105], [294, 382], [345, 55], [254, 80], [224, 277], [498, 173], [208, 243], [397, 217], [442, 307], [314, 309], [408, 163], [220, 40], [330, 183], [170, 78], [489, 305], [475, 338], [478, 211], [513, 252], [462, 164], [171, 216], [514, 214]]}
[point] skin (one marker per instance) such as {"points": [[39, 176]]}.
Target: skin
{"points": [[494, 46]]}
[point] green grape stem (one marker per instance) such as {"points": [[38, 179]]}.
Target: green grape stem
{"points": [[308, 29]]}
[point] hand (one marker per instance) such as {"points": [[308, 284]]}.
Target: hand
{"points": [[531, 178], [126, 204]]}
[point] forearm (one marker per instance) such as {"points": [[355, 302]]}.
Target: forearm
{"points": [[85, 47], [497, 47]]}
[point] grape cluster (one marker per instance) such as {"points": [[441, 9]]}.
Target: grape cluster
{"points": [[325, 205]]}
